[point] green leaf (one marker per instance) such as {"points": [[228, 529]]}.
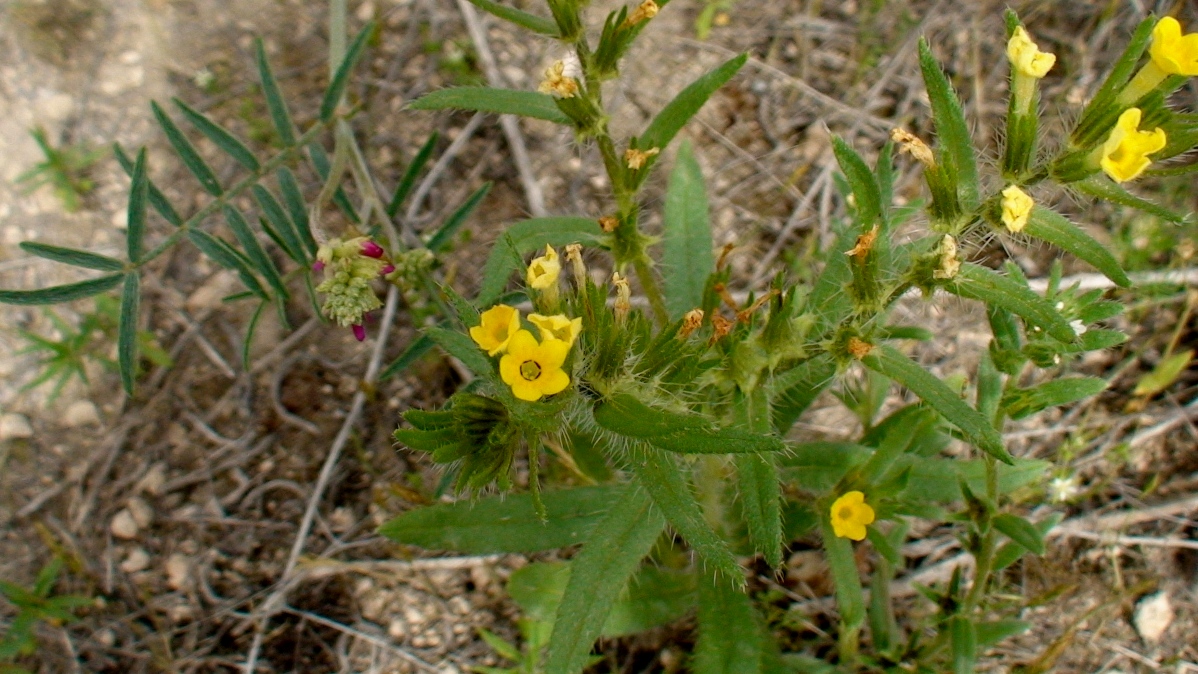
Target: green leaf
{"points": [[289, 235], [793, 391], [226, 256], [63, 293], [157, 199], [1020, 403], [1021, 531], [1011, 552], [136, 228], [419, 346], [888, 361], [408, 181], [757, 477], [1100, 114], [818, 466], [250, 330], [730, 635], [463, 348], [687, 259], [257, 256], [274, 97], [294, 199], [658, 473], [989, 388], [126, 343], [501, 101], [336, 90], [611, 555], [187, 152], [991, 633], [843, 565], [527, 236], [505, 523], [952, 131], [1100, 186], [867, 195], [965, 644], [678, 112], [984, 284], [72, 256], [895, 442], [440, 240], [220, 136], [1162, 376], [938, 480], [532, 22], [623, 414], [1056, 229]]}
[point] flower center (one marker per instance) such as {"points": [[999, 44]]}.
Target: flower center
{"points": [[530, 370], [846, 513]]}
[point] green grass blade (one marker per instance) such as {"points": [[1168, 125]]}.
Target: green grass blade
{"points": [[157, 199], [528, 236], [289, 234], [254, 251], [187, 152], [610, 556], [956, 143], [687, 259], [504, 523], [888, 361], [730, 637], [332, 95], [501, 101], [135, 234], [679, 111], [71, 256], [274, 97], [127, 331], [219, 135], [293, 197], [536, 24], [408, 181], [1056, 229], [984, 284], [250, 330], [443, 237], [228, 257], [63, 293]]}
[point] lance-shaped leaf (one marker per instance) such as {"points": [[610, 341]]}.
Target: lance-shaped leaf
{"points": [[126, 343], [793, 391], [730, 635], [1100, 114], [320, 162], [659, 475], [157, 199], [461, 347], [678, 112], [1020, 403], [965, 644], [990, 633], [408, 181], [843, 565], [293, 198], [536, 24], [72, 256], [250, 330], [440, 240], [867, 195], [888, 361], [623, 414], [290, 239], [952, 131], [500, 101], [528, 236], [257, 256], [1056, 229], [687, 259], [62, 293], [611, 555], [226, 256], [187, 152], [984, 284], [1021, 531], [757, 477], [219, 135], [1100, 186], [274, 97], [332, 95], [505, 523], [135, 232]]}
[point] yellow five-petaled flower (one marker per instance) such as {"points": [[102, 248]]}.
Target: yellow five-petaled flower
{"points": [[1026, 57], [498, 325], [1016, 208], [850, 515], [1172, 52], [1124, 155], [534, 369]]}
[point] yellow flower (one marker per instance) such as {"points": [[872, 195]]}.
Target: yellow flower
{"points": [[500, 322], [543, 271], [1026, 57], [1016, 207], [557, 83], [557, 327], [534, 369], [1125, 152], [637, 158], [1172, 52], [850, 514]]}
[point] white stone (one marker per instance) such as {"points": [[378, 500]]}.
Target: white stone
{"points": [[123, 525], [81, 413], [397, 629], [178, 571], [141, 511], [1153, 616], [138, 560], [152, 482], [14, 426]]}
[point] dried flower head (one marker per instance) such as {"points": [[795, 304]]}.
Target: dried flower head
{"points": [[692, 321], [950, 264], [909, 142], [557, 83], [645, 11], [637, 158], [859, 348], [1016, 208], [865, 243]]}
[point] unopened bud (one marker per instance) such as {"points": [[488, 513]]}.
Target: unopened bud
{"points": [[318, 266], [372, 249], [359, 332], [691, 322]]}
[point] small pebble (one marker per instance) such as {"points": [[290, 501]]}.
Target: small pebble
{"points": [[14, 426], [178, 571], [138, 560], [141, 511], [123, 525], [152, 482], [81, 413], [105, 637], [1153, 616], [397, 629]]}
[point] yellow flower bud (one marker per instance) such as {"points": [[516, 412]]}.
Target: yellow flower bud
{"points": [[1026, 58], [1016, 207], [1172, 52], [1124, 155], [543, 271], [850, 514]]}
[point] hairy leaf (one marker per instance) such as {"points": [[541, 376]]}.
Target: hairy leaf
{"points": [[72, 256], [500, 101], [687, 258], [62, 293]]}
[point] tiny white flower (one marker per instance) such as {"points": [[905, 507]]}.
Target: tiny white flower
{"points": [[1079, 328], [1056, 359], [1063, 489], [1060, 306]]}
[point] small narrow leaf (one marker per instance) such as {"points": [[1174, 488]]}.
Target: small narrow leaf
{"points": [[187, 152], [687, 259], [226, 256], [984, 284], [683, 433], [952, 131], [289, 235], [332, 95], [757, 477], [274, 97], [888, 361], [500, 101], [219, 135], [1021, 531], [135, 233], [257, 256], [294, 199], [461, 347], [527, 236], [866, 192], [1100, 114], [62, 293], [127, 331], [793, 391], [440, 240], [965, 645], [730, 636], [1021, 403], [157, 199], [320, 161], [1100, 186], [72, 256], [1164, 374], [536, 24], [408, 181], [610, 556], [843, 565], [991, 633], [678, 112]]}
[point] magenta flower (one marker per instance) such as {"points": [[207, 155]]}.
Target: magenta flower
{"points": [[359, 332], [372, 249]]}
